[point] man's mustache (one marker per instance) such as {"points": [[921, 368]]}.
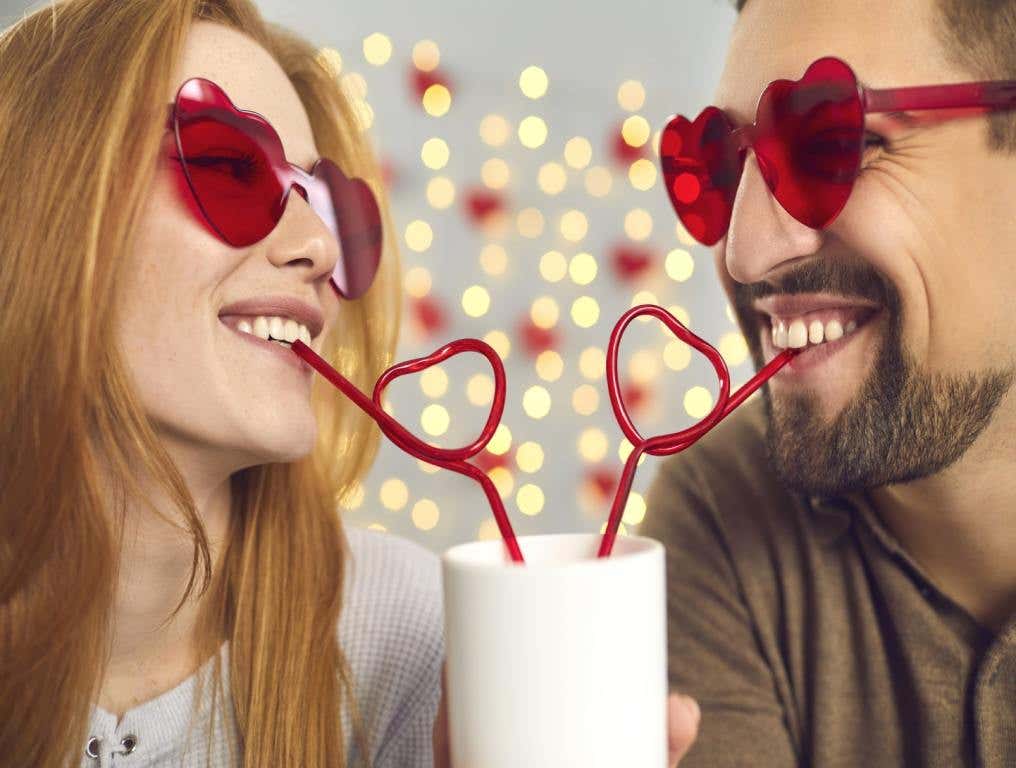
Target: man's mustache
{"points": [[851, 279]]}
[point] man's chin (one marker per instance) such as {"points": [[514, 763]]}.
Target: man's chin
{"points": [[802, 434]]}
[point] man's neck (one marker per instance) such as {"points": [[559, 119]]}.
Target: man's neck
{"points": [[960, 524]]}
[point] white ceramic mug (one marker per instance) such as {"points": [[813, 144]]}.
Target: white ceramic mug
{"points": [[558, 662]]}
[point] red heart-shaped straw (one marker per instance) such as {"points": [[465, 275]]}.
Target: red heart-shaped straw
{"points": [[662, 445], [448, 458]]}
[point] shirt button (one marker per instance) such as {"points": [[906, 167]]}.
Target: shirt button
{"points": [[92, 748], [128, 743]]}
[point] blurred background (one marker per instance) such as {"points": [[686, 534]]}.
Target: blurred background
{"points": [[519, 147]]}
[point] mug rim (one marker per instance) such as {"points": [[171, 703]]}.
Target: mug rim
{"points": [[476, 555]]}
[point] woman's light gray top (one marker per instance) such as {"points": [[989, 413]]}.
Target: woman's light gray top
{"points": [[391, 630]]}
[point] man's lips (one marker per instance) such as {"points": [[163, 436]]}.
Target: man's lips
{"points": [[789, 306]]}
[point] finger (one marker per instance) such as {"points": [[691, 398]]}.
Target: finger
{"points": [[683, 720]]}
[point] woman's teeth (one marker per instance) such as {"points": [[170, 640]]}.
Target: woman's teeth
{"points": [[797, 334], [280, 329]]}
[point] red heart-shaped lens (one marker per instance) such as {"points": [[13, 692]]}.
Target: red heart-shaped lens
{"points": [[236, 168], [701, 168], [358, 225], [808, 139], [225, 156]]}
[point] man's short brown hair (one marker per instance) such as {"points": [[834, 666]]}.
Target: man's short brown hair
{"points": [[980, 37]]}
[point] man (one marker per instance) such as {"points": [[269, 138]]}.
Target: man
{"points": [[842, 550]]}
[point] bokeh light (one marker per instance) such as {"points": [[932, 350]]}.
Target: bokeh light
{"points": [[598, 181], [578, 152], [417, 282], [642, 174], [676, 355], [631, 95], [532, 132], [480, 389], [733, 348], [585, 311], [394, 494], [425, 514], [475, 301], [698, 401], [493, 259], [679, 265], [635, 131], [500, 342], [435, 419], [331, 60], [529, 499], [533, 82], [544, 312], [495, 130], [638, 224], [503, 481], [434, 153], [434, 381], [585, 400], [582, 268], [574, 225], [549, 365], [377, 49], [553, 266], [536, 402], [440, 192], [592, 444], [495, 173], [426, 56], [501, 442], [437, 100], [419, 235], [634, 509], [552, 178], [529, 457]]}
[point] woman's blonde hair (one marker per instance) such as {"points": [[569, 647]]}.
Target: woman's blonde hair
{"points": [[83, 87]]}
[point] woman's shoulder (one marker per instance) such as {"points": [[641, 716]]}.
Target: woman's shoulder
{"points": [[392, 633], [393, 587]]}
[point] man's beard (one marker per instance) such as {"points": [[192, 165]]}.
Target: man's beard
{"points": [[903, 424]]}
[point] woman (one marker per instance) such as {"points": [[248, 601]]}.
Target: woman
{"points": [[176, 587], [169, 488]]}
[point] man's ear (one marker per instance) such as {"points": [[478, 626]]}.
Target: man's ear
{"points": [[442, 749]]}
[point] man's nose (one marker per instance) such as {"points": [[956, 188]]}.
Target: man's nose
{"points": [[762, 236]]}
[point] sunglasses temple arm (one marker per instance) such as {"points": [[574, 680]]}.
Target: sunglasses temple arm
{"points": [[986, 94]]}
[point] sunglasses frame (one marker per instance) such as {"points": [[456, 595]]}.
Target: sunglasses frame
{"points": [[312, 186], [979, 96]]}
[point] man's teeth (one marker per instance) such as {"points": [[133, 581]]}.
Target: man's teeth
{"points": [[798, 335], [275, 329]]}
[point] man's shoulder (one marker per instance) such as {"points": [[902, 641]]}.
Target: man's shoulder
{"points": [[730, 463], [724, 485]]}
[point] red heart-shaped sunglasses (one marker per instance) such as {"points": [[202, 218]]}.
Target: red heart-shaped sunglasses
{"points": [[808, 139], [237, 171]]}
